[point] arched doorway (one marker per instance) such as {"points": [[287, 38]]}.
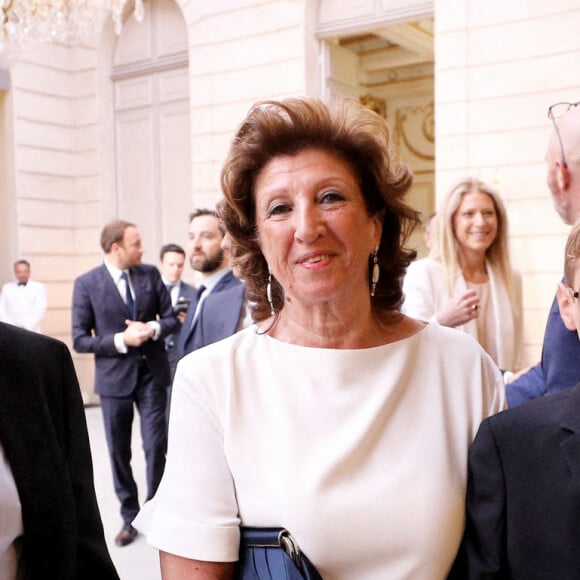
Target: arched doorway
{"points": [[385, 58]]}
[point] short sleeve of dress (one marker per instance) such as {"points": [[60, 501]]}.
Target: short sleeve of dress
{"points": [[194, 513]]}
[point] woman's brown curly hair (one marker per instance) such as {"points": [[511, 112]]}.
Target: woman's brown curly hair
{"points": [[345, 129]]}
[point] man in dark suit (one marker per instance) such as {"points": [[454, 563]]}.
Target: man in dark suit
{"points": [[51, 513], [207, 257], [222, 315], [171, 262], [523, 495], [121, 312], [559, 368]]}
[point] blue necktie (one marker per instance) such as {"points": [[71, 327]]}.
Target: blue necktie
{"points": [[128, 296]]}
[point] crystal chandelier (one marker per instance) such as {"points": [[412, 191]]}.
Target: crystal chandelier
{"points": [[68, 21]]}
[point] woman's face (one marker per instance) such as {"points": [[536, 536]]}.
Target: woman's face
{"points": [[475, 222], [315, 231]]}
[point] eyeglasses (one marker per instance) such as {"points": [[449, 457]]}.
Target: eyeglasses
{"points": [[556, 111]]}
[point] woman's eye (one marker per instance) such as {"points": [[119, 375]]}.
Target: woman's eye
{"points": [[467, 214], [331, 197], [278, 209]]}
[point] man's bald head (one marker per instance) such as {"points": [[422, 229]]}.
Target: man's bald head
{"points": [[563, 178]]}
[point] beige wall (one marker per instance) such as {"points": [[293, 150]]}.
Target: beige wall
{"points": [[240, 52], [499, 66], [54, 168]]}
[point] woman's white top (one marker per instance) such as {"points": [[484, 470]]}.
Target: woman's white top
{"points": [[361, 454], [426, 291]]}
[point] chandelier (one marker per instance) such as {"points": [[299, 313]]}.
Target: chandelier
{"points": [[68, 21]]}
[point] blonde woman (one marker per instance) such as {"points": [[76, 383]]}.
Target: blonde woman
{"points": [[468, 282]]}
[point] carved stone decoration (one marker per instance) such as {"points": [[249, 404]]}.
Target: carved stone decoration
{"points": [[418, 142], [375, 104]]}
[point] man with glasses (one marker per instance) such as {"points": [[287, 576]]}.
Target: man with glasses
{"points": [[559, 368], [523, 493]]}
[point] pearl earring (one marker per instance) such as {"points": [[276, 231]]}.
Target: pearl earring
{"points": [[376, 272]]}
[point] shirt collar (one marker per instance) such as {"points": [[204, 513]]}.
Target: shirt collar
{"points": [[211, 281], [114, 271]]}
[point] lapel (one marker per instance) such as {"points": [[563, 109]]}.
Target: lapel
{"points": [[570, 431], [221, 317], [188, 325], [26, 431]]}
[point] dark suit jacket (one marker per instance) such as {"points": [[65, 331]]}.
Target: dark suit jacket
{"points": [[523, 497], [185, 291], [220, 316], [560, 366], [99, 313], [191, 336], [44, 434]]}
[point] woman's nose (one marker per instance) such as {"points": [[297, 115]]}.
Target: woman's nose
{"points": [[308, 225]]}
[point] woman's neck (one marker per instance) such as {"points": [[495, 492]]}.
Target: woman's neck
{"points": [[473, 267], [325, 326]]}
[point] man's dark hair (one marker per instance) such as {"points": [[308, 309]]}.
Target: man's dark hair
{"points": [[171, 248], [25, 262], [204, 211]]}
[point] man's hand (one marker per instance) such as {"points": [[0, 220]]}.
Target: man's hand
{"points": [[137, 333]]}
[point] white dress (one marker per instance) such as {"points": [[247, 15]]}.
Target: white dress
{"points": [[361, 454]]}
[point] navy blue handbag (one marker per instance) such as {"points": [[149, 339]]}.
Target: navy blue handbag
{"points": [[272, 554]]}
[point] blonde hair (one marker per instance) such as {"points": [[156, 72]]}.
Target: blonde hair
{"points": [[447, 247]]}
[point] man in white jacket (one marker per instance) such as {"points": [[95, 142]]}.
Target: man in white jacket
{"points": [[23, 301]]}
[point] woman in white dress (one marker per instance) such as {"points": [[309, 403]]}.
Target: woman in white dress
{"points": [[467, 281], [335, 416]]}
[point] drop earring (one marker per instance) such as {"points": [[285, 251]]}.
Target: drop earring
{"points": [[269, 292], [376, 272]]}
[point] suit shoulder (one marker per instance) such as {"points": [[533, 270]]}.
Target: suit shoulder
{"points": [[91, 274], [17, 340], [148, 269], [536, 414]]}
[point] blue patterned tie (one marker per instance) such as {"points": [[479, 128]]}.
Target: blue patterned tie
{"points": [[128, 296]]}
